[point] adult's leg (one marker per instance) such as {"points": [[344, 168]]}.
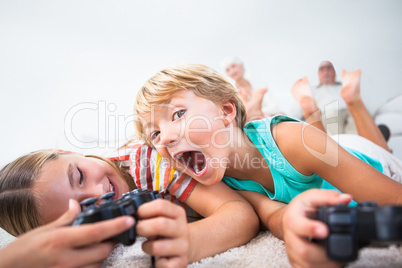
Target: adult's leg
{"points": [[365, 125]]}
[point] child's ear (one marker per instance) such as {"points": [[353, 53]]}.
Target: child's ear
{"points": [[229, 112]]}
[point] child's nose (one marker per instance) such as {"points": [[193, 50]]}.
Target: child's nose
{"points": [[168, 138]]}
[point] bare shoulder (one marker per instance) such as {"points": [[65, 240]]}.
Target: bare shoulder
{"points": [[300, 143], [287, 134]]}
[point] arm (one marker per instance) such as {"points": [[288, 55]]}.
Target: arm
{"points": [[58, 244], [229, 222], [312, 151], [292, 224], [269, 212]]}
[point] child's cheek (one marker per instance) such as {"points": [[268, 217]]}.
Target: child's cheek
{"points": [[199, 131], [221, 138]]}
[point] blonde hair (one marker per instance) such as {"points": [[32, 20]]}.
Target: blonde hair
{"points": [[205, 82], [20, 204], [19, 207]]}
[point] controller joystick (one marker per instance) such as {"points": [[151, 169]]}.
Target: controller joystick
{"points": [[109, 209], [88, 203], [107, 196], [352, 228]]}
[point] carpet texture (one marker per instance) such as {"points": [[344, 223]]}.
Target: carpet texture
{"points": [[264, 250]]}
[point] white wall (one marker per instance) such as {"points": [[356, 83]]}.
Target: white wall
{"points": [[79, 63]]}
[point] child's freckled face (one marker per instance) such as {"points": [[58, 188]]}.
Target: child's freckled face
{"points": [[190, 133]]}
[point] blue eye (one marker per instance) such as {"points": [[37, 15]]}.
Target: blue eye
{"points": [[178, 114], [81, 176]]}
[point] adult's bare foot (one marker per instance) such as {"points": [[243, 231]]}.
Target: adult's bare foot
{"points": [[303, 93], [351, 87]]}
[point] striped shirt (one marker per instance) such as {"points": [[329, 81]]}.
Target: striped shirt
{"points": [[150, 171]]}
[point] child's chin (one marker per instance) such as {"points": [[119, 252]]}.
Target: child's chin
{"points": [[208, 182]]}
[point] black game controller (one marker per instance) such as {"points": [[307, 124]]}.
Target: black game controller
{"points": [[352, 228], [109, 209]]}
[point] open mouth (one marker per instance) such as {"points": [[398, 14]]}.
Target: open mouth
{"points": [[195, 161]]}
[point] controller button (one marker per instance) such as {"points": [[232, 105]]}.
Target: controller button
{"points": [[367, 204], [340, 219]]}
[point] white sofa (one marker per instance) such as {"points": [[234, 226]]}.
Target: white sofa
{"points": [[390, 115]]}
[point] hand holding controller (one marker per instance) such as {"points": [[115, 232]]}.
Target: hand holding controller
{"points": [[109, 209], [352, 228]]}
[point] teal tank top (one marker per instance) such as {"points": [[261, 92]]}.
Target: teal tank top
{"points": [[288, 182]]}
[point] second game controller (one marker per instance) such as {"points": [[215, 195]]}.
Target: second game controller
{"points": [[352, 228]]}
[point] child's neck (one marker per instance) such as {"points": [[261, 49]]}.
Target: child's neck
{"points": [[247, 163]]}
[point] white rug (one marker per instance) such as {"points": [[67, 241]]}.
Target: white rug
{"points": [[265, 250]]}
